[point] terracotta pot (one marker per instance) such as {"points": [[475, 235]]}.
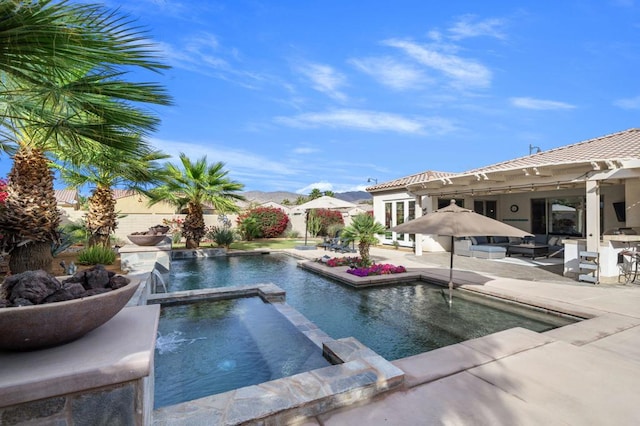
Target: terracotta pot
{"points": [[27, 328], [146, 240]]}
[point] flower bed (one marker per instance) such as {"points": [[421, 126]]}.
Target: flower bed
{"points": [[377, 269], [341, 261], [358, 269]]}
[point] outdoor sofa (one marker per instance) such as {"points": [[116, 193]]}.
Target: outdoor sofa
{"points": [[496, 247]]}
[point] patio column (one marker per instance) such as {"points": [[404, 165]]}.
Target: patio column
{"points": [[418, 213], [593, 215]]}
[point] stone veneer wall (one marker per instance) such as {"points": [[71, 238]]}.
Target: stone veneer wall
{"points": [[103, 378]]}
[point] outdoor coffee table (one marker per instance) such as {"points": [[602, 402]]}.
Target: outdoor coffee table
{"points": [[530, 250]]}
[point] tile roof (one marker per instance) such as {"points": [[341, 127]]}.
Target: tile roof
{"points": [[408, 180], [615, 146], [621, 145], [122, 193], [66, 196]]}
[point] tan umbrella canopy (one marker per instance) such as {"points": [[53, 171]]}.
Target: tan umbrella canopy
{"points": [[324, 202], [455, 221]]}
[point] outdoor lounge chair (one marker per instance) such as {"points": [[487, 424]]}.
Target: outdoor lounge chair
{"points": [[343, 246]]}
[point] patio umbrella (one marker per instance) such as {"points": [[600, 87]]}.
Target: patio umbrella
{"points": [[455, 221], [324, 202]]}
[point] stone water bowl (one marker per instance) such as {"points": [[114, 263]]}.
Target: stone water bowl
{"points": [[26, 328], [146, 240]]}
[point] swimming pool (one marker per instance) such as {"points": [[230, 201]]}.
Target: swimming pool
{"points": [[395, 321], [209, 347]]}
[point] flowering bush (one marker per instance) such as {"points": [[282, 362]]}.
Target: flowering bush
{"points": [[174, 224], [342, 261], [271, 221], [377, 269], [326, 218], [3, 191], [175, 228]]}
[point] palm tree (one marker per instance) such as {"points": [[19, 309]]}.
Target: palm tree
{"points": [[329, 193], [191, 187], [62, 90], [105, 171], [315, 193], [363, 228]]}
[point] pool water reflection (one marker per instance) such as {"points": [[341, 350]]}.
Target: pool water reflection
{"points": [[395, 321]]}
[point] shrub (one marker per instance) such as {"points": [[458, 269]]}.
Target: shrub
{"points": [[97, 255], [292, 234], [249, 228], [270, 221], [333, 229], [314, 225], [327, 219], [221, 235]]}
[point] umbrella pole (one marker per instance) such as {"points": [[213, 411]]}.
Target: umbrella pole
{"points": [[306, 227], [451, 273]]}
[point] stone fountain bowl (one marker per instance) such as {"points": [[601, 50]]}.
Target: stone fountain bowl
{"points": [[26, 328], [146, 240]]}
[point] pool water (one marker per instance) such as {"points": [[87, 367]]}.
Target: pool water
{"points": [[394, 321], [205, 348]]}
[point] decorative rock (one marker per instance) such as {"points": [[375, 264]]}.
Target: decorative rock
{"points": [[34, 286], [96, 277], [39, 287], [118, 281]]}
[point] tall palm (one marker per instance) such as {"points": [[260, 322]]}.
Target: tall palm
{"points": [[62, 89], [104, 171], [191, 187], [363, 228], [315, 193]]}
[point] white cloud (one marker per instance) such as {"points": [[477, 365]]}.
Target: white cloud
{"points": [[324, 79], [305, 150], [390, 72], [628, 103], [322, 186], [468, 26], [463, 72], [371, 121], [539, 104], [238, 161]]}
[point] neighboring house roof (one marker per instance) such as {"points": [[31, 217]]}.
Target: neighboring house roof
{"points": [[66, 196], [122, 193], [408, 180]]}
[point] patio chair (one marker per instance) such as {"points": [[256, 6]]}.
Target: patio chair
{"points": [[344, 246]]}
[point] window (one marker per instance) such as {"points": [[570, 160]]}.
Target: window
{"points": [[486, 208], [444, 202], [567, 216]]}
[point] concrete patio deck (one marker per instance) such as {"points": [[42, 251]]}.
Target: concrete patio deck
{"points": [[581, 374]]}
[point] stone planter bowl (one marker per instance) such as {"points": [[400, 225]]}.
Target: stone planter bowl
{"points": [[146, 240], [26, 328]]}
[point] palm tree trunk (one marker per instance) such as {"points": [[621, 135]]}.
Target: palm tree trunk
{"points": [[101, 219], [193, 226], [30, 217], [364, 252], [31, 257]]}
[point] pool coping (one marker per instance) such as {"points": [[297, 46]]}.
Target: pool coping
{"points": [[358, 373]]}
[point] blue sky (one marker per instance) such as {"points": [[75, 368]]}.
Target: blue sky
{"points": [[295, 95]]}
